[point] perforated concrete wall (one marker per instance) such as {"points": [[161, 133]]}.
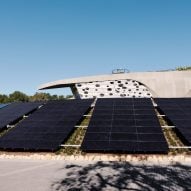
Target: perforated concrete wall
{"points": [[115, 88]]}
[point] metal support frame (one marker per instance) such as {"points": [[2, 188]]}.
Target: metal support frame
{"points": [[76, 146], [167, 126], [179, 147], [161, 115], [83, 126], [10, 126]]}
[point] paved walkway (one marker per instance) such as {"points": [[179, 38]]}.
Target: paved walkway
{"points": [[36, 175], [28, 175]]}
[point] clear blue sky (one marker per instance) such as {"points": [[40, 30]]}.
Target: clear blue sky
{"points": [[46, 40]]}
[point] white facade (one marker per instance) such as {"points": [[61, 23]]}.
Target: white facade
{"points": [[112, 89]]}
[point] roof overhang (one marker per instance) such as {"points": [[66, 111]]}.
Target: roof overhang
{"points": [[161, 84], [98, 78]]}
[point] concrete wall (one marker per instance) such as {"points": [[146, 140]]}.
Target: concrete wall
{"points": [[160, 84]]}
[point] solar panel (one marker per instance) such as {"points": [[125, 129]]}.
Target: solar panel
{"points": [[178, 112], [155, 147], [126, 125], [13, 112], [47, 128], [3, 105]]}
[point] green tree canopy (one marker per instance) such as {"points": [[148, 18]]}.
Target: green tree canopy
{"points": [[18, 96], [4, 98], [41, 97], [183, 68]]}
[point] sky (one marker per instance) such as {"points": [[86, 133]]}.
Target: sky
{"points": [[47, 40]]}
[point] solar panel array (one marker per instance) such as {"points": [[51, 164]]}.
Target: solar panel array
{"points": [[13, 112], [128, 125], [46, 128], [3, 105], [178, 111]]}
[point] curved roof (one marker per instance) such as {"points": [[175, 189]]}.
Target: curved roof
{"points": [[161, 84]]}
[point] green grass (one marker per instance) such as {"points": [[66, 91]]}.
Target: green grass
{"points": [[76, 138]]}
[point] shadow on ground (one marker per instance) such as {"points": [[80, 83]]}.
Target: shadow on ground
{"points": [[124, 176]]}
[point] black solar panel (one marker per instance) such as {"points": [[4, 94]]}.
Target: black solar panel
{"points": [[178, 111], [124, 125], [13, 112], [47, 128], [3, 105]]}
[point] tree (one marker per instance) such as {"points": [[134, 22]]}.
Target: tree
{"points": [[61, 97], [18, 96], [40, 97], [183, 68], [69, 96], [4, 98], [54, 97]]}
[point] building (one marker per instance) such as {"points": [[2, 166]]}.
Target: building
{"points": [[120, 83]]}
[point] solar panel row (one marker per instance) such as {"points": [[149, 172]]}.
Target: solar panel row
{"points": [[15, 111], [178, 111], [3, 105], [124, 125], [47, 128]]}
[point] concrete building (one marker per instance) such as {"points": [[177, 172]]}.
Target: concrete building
{"points": [[172, 84]]}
